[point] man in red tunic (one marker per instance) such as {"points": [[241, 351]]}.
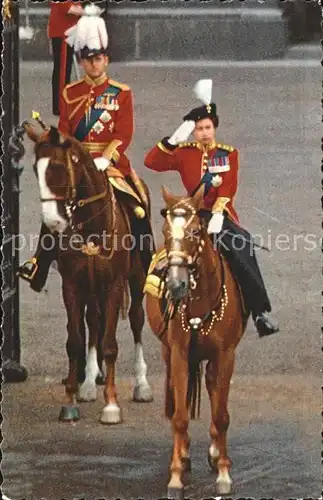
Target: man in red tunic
{"points": [[63, 15], [98, 111], [205, 162]]}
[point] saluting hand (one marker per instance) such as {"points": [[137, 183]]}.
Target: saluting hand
{"points": [[182, 133]]}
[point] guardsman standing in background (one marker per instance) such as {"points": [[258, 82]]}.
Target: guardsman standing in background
{"points": [[63, 15]]}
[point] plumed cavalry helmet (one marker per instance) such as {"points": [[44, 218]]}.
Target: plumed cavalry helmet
{"points": [[89, 36], [203, 91]]}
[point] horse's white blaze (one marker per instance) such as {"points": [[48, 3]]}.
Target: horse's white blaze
{"points": [[178, 225], [140, 366], [51, 217]]}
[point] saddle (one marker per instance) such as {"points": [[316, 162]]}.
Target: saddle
{"points": [[155, 284], [135, 195]]}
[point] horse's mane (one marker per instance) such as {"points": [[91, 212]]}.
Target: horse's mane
{"points": [[85, 157]]}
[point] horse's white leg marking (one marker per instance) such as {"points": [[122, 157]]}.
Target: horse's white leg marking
{"points": [[214, 452], [87, 391], [51, 217], [223, 482], [142, 391]]}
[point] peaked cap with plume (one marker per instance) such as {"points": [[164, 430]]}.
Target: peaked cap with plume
{"points": [[89, 36]]}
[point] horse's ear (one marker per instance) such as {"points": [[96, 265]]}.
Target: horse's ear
{"points": [[168, 197], [31, 132], [54, 136], [198, 198], [67, 144]]}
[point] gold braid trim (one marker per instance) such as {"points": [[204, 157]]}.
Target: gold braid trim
{"points": [[164, 149], [220, 204], [111, 152], [80, 99]]}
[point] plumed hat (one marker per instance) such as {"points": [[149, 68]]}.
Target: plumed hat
{"points": [[89, 36], [203, 91]]}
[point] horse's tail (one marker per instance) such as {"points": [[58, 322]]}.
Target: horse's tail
{"points": [[194, 377], [91, 277], [125, 298]]}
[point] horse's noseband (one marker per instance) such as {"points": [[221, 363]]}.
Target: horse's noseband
{"points": [[70, 199]]}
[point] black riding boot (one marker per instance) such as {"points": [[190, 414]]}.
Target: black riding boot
{"points": [[36, 270], [236, 244], [141, 230]]}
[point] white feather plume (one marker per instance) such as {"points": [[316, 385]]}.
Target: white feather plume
{"points": [[92, 10], [203, 91], [90, 31]]}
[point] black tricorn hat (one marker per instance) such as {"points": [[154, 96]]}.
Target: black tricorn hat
{"points": [[206, 111]]}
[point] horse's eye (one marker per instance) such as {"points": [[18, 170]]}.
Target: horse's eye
{"points": [[75, 159], [163, 212]]}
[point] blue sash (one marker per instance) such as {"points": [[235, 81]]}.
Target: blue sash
{"points": [[84, 128], [207, 177]]}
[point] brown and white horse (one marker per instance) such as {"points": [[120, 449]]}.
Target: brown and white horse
{"points": [[204, 320], [78, 205]]}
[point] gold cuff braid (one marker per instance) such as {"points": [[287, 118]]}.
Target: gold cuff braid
{"points": [[111, 152], [220, 204]]}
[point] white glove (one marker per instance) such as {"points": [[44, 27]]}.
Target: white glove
{"points": [[101, 163], [182, 133], [216, 223]]}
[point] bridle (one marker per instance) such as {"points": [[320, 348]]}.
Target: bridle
{"points": [[70, 198], [181, 258]]}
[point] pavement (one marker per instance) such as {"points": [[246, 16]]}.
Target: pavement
{"points": [[272, 115]]}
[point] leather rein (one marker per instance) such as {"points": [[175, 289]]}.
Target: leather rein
{"points": [[190, 262], [71, 203]]}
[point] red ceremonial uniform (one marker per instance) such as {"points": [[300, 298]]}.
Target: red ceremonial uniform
{"points": [[99, 113], [58, 22], [192, 161], [59, 19]]}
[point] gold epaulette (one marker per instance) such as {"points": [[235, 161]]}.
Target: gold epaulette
{"points": [[188, 145], [119, 85], [225, 147]]}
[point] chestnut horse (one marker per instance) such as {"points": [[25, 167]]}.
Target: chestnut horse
{"points": [[200, 317], [93, 231]]}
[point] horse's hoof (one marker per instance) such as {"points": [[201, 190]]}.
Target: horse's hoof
{"points": [[223, 485], [87, 392], [111, 415], [69, 413], [186, 463], [175, 493], [142, 394]]}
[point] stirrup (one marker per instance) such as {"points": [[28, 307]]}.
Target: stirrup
{"points": [[25, 273]]}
